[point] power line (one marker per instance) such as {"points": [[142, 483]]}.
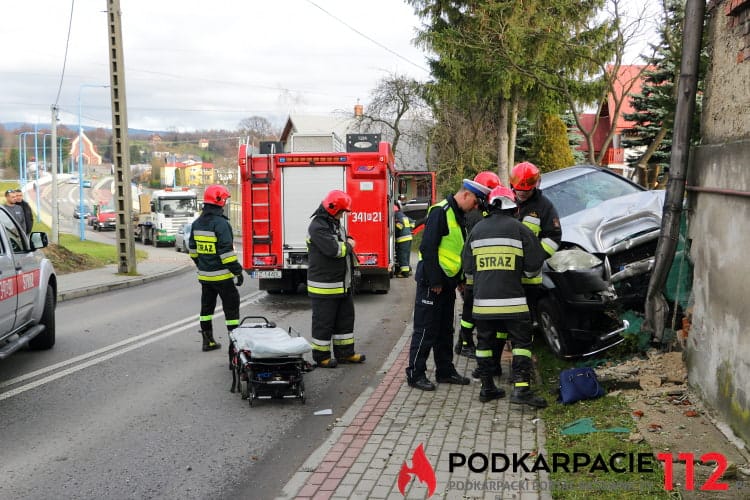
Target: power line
{"points": [[368, 38], [65, 58]]}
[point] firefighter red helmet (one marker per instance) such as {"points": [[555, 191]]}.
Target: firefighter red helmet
{"points": [[336, 201], [216, 195], [502, 197], [487, 178], [524, 176]]}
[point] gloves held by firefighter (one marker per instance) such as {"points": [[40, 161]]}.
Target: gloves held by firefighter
{"points": [[240, 279]]}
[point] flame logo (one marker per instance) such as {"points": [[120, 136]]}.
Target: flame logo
{"points": [[421, 468]]}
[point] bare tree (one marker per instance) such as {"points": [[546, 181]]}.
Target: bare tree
{"points": [[395, 99], [256, 128]]}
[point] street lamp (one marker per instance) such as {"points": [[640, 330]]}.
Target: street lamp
{"points": [[80, 157], [22, 157]]}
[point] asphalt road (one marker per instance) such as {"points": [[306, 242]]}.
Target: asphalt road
{"points": [[127, 406]]}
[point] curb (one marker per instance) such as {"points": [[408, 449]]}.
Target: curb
{"points": [[127, 283]]}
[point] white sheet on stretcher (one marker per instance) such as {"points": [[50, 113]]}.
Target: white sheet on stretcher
{"points": [[269, 342]]}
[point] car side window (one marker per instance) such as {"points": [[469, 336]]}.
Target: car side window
{"points": [[14, 233]]}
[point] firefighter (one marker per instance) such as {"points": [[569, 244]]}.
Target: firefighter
{"points": [[331, 262], [438, 275], [404, 226], [211, 246], [537, 213], [499, 252], [465, 342]]}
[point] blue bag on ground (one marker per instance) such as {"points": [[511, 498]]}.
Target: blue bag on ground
{"points": [[579, 383]]}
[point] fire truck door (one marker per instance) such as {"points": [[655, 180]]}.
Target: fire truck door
{"points": [[303, 189]]}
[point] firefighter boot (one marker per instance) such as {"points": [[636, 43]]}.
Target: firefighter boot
{"points": [[522, 395], [209, 344], [354, 358], [465, 345], [489, 390]]}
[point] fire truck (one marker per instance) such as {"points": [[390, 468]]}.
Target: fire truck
{"points": [[281, 190]]}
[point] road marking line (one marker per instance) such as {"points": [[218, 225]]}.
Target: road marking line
{"points": [[99, 355]]}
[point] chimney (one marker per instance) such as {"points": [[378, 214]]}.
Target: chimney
{"points": [[358, 110]]}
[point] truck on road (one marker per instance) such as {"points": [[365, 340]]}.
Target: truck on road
{"points": [[162, 213]]}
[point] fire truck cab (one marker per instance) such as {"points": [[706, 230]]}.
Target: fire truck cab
{"points": [[281, 190]]}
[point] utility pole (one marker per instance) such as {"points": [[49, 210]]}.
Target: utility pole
{"points": [[120, 144], [55, 226]]}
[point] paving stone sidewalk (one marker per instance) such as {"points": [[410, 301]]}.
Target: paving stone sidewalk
{"points": [[381, 431]]}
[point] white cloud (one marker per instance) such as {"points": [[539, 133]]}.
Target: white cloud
{"points": [[193, 64]]}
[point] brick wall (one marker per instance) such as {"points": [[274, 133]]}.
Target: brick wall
{"points": [[738, 12]]}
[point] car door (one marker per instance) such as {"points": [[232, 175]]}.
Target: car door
{"points": [[8, 295], [25, 268]]}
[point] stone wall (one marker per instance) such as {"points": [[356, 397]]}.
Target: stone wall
{"points": [[719, 340]]}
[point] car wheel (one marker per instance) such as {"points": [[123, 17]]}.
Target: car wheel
{"points": [[177, 248], [46, 339], [550, 321]]}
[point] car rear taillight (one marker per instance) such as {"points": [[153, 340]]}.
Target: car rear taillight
{"points": [[264, 260], [367, 259]]}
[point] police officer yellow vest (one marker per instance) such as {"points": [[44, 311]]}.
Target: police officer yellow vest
{"points": [[451, 245]]}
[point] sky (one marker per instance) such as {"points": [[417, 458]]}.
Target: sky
{"points": [[202, 65]]}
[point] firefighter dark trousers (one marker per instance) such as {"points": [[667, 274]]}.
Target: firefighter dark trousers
{"points": [[230, 301], [332, 323], [467, 321], [403, 253], [519, 333], [433, 331]]}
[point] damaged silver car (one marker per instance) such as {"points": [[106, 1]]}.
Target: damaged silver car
{"points": [[610, 227]]}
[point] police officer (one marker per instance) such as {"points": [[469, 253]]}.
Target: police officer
{"points": [[331, 262], [438, 275], [404, 225], [211, 246], [499, 252]]}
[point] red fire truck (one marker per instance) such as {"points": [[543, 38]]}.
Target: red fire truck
{"points": [[281, 190]]}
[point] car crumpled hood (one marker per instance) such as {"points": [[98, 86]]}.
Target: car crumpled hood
{"points": [[614, 221]]}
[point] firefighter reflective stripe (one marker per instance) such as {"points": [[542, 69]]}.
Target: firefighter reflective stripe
{"points": [[467, 324], [522, 352], [232, 322], [536, 280], [342, 249], [496, 254], [205, 242], [501, 335], [206, 318], [343, 339], [469, 279], [401, 239], [520, 384], [499, 306], [220, 275], [228, 257], [533, 223], [483, 353], [320, 345], [549, 245], [321, 288]]}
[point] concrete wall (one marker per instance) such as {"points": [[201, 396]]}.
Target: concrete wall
{"points": [[719, 340]]}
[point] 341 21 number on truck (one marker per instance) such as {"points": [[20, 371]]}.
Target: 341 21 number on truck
{"points": [[281, 190]]}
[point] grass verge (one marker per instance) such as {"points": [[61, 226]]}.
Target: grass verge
{"points": [[606, 412]]}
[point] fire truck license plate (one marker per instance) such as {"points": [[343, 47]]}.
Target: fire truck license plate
{"points": [[275, 274]]}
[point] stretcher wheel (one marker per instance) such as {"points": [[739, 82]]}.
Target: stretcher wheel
{"points": [[301, 391]]}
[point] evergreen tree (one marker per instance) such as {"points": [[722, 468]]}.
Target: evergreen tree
{"points": [[550, 150]]}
